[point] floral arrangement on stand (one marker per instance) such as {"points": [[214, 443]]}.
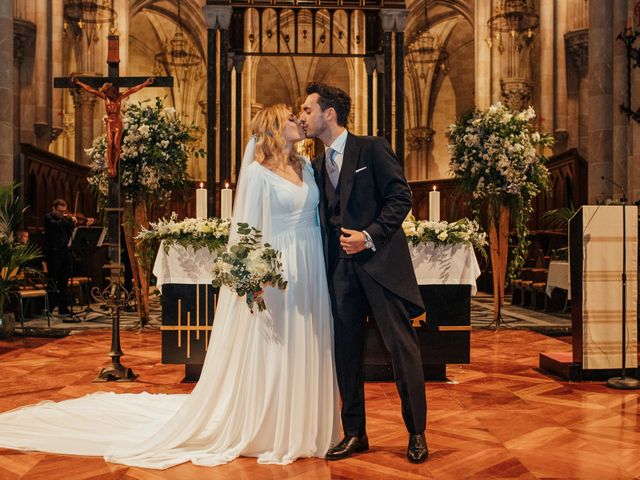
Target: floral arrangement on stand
{"points": [[211, 233], [442, 233], [499, 159], [155, 148], [496, 156], [247, 266]]}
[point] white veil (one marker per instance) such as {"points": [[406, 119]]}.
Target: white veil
{"points": [[251, 204]]}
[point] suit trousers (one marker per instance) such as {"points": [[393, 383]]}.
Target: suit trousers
{"points": [[354, 295]]}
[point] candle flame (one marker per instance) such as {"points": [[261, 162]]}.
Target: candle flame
{"points": [[434, 188], [226, 185], [201, 185]]}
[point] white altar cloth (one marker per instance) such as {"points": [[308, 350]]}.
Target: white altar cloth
{"points": [[183, 265], [445, 265]]}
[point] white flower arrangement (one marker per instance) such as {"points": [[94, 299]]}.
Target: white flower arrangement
{"points": [[248, 266], [463, 231], [497, 157], [211, 233], [495, 153], [156, 145]]}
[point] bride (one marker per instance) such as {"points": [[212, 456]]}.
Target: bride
{"points": [[268, 387]]}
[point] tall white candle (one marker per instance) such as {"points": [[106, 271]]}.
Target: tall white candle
{"points": [[226, 202], [201, 202], [434, 205]]}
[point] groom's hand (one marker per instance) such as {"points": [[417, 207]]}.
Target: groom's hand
{"points": [[352, 241]]}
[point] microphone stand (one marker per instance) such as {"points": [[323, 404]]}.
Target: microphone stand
{"points": [[623, 382]]}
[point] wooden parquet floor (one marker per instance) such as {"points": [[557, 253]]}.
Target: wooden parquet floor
{"points": [[498, 417]]}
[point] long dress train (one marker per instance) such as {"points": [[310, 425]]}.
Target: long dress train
{"points": [[267, 388]]}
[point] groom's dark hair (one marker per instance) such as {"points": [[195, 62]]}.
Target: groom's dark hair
{"points": [[332, 97]]}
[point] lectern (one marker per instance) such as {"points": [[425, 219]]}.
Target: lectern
{"points": [[595, 263]]}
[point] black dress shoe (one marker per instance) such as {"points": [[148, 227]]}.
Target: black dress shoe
{"points": [[417, 451], [347, 447]]}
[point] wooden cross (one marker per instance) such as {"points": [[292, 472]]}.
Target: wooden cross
{"points": [[112, 297], [113, 60]]}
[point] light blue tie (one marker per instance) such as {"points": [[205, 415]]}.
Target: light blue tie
{"points": [[332, 167]]}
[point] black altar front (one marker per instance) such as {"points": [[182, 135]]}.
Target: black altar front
{"points": [[444, 335]]}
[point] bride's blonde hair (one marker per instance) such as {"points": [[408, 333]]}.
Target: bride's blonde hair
{"points": [[267, 126]]}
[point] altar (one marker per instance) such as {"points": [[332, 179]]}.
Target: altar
{"points": [[446, 276]]}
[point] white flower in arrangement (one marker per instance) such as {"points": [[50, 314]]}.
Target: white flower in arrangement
{"points": [[442, 236]]}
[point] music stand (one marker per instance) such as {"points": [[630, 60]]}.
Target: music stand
{"points": [[83, 239]]}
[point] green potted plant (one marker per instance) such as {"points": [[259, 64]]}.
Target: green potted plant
{"points": [[13, 257]]}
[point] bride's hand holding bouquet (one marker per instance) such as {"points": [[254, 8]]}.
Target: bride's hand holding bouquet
{"points": [[246, 267]]}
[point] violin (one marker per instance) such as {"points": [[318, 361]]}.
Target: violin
{"points": [[79, 219]]}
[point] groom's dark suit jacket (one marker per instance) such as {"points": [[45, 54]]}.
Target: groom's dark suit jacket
{"points": [[375, 196]]}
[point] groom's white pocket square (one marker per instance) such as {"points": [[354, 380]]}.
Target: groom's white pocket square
{"points": [[361, 169]]}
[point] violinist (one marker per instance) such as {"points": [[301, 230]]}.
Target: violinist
{"points": [[58, 227]]}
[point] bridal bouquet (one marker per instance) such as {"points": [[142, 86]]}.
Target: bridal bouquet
{"points": [[211, 233], [247, 266], [444, 233]]}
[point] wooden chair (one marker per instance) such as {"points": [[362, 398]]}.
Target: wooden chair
{"points": [[32, 288], [82, 284], [539, 286]]}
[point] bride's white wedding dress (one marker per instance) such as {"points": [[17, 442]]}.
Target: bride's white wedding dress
{"points": [[268, 387]]}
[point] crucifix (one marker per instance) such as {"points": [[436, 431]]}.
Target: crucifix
{"points": [[114, 297]]}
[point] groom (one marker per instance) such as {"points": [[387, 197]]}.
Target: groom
{"points": [[364, 197]]}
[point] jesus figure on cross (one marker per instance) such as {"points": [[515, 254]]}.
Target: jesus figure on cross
{"points": [[113, 104]]}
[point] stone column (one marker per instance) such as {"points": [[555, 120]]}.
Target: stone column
{"points": [[42, 75], [401, 24], [370, 66], [122, 25], [600, 100], [57, 105], [633, 164], [547, 66], [83, 104], [387, 27], [216, 18], [6, 92], [380, 95], [577, 44], [239, 65], [620, 120], [561, 109], [482, 54]]}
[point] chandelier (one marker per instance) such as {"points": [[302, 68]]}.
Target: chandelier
{"points": [[178, 55], [514, 17], [426, 50], [88, 12]]}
